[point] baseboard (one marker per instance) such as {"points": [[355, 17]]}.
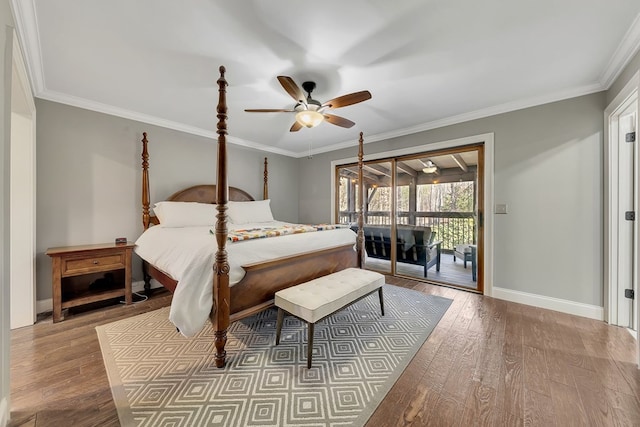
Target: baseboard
{"points": [[557, 304], [4, 413], [45, 305]]}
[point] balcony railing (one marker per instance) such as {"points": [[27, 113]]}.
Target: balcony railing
{"points": [[452, 228]]}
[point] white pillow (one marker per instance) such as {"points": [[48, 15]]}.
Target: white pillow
{"points": [[185, 214], [254, 211]]}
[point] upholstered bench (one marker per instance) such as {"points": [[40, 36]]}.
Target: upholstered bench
{"points": [[316, 299]]}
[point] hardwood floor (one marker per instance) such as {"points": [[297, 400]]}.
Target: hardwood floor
{"points": [[451, 272], [57, 374], [488, 362]]}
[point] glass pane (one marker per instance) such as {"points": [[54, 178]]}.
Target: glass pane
{"points": [[378, 208], [402, 204], [450, 207], [348, 195], [413, 254], [445, 216], [379, 205]]}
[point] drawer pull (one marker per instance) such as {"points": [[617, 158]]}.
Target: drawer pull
{"points": [[95, 262]]}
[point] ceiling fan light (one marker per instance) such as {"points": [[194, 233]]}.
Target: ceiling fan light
{"points": [[309, 118], [430, 169]]}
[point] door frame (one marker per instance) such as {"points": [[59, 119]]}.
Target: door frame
{"points": [[487, 140], [612, 211], [22, 226]]}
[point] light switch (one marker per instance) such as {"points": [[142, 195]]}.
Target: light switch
{"points": [[501, 208]]}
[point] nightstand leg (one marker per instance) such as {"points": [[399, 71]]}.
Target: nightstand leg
{"points": [[56, 289]]}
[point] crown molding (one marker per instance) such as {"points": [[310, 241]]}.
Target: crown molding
{"points": [[21, 79], [461, 118], [466, 117], [152, 120], [625, 51], [26, 25]]}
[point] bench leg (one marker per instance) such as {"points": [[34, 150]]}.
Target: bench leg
{"points": [[381, 300], [310, 345], [279, 324]]}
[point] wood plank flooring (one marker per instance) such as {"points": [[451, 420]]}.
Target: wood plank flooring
{"points": [[488, 362], [451, 272]]}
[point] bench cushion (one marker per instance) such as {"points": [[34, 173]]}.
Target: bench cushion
{"points": [[318, 298]]}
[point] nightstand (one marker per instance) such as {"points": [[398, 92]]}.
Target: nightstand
{"points": [[76, 271]]}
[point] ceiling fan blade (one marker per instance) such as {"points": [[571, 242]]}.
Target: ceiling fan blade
{"points": [[338, 121], [292, 88], [268, 110], [350, 99], [296, 127]]}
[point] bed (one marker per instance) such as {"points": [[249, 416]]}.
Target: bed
{"points": [[234, 299]]}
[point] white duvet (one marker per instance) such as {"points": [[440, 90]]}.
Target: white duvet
{"points": [[187, 255]]}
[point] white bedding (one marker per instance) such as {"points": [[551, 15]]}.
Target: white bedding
{"points": [[187, 255]]}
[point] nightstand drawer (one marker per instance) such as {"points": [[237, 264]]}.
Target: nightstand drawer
{"points": [[73, 266]]}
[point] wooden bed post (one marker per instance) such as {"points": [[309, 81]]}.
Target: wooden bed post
{"points": [[360, 239], [145, 182], [265, 190], [221, 294], [145, 207]]}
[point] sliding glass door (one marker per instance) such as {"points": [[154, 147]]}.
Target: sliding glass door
{"points": [[378, 209], [429, 203]]}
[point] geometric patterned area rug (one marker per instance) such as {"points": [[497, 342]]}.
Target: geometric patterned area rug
{"points": [[160, 378]]}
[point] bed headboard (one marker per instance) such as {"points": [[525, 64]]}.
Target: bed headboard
{"points": [[207, 194], [204, 193]]}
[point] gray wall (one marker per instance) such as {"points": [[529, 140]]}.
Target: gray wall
{"points": [[6, 46], [89, 177], [548, 169]]}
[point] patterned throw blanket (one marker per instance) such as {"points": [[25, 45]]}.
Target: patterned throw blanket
{"points": [[263, 232]]}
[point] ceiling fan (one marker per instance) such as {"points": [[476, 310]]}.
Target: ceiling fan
{"points": [[309, 112], [429, 167]]}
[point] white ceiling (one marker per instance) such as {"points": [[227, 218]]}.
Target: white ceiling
{"points": [[427, 63]]}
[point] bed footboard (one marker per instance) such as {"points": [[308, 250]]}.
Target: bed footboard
{"points": [[255, 292]]}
